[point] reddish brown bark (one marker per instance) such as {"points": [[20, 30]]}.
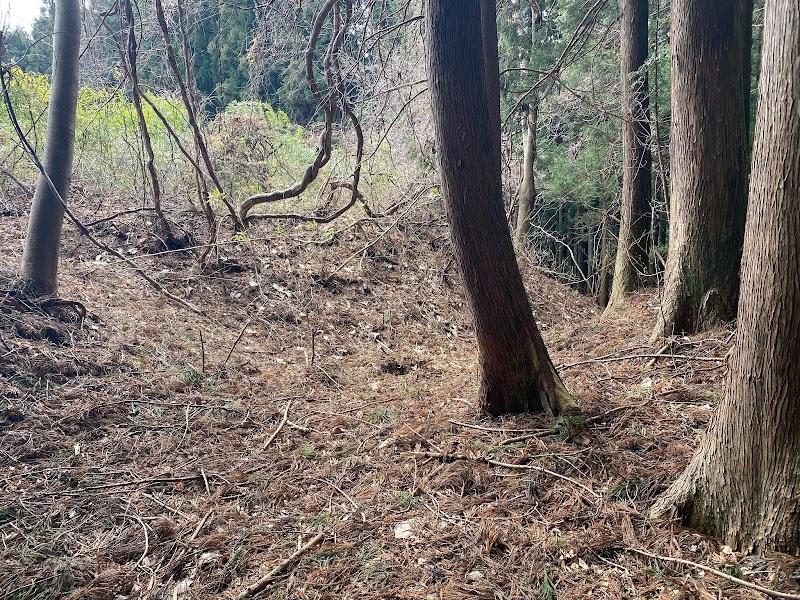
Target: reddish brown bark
{"points": [[516, 372]]}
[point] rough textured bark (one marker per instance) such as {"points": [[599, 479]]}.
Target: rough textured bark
{"points": [[527, 189], [491, 69], [515, 370], [40, 257], [708, 154], [744, 483], [635, 209]]}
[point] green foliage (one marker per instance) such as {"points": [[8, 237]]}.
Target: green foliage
{"points": [[17, 46], [234, 563], [39, 57], [547, 589], [382, 414], [190, 376], [731, 567], [220, 36], [324, 558], [406, 500], [107, 147], [319, 521], [28, 93], [372, 567], [626, 490], [564, 427], [255, 147], [258, 148], [307, 451], [579, 152]]}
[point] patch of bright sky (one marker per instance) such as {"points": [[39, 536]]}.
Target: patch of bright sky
{"points": [[18, 13]]}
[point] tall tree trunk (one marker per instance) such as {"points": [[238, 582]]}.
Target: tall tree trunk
{"points": [[561, 255], [527, 190], [708, 154], [40, 257], [516, 372], [744, 483], [632, 254]]}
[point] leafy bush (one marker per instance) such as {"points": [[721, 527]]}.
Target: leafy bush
{"points": [[108, 151], [257, 148]]}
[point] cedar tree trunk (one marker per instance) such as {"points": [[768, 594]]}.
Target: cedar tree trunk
{"points": [[632, 256], [515, 370], [744, 483], [40, 256], [708, 154]]}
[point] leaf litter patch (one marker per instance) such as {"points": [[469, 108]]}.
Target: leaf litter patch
{"points": [[324, 441]]}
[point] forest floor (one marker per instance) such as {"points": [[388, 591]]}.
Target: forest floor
{"points": [[317, 429]]}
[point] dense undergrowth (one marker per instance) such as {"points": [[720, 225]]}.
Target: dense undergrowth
{"points": [[254, 148]]}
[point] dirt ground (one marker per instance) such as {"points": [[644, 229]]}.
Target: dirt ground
{"points": [[317, 430]]}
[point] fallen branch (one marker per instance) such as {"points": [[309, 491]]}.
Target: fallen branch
{"points": [[146, 539], [121, 213], [736, 580], [340, 490], [720, 359], [235, 342], [495, 429], [262, 583], [497, 463], [107, 486], [200, 525], [662, 351], [606, 414], [280, 425], [525, 437]]}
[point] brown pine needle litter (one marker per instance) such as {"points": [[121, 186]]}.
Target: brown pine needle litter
{"points": [[138, 462]]}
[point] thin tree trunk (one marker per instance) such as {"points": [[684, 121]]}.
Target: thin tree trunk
{"points": [[526, 196], [191, 113], [605, 259], [632, 254], [200, 178], [561, 255], [162, 225], [516, 372], [744, 483], [582, 252], [40, 257], [656, 129], [708, 154]]}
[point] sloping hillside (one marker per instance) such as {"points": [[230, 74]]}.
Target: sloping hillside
{"points": [[319, 423]]}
